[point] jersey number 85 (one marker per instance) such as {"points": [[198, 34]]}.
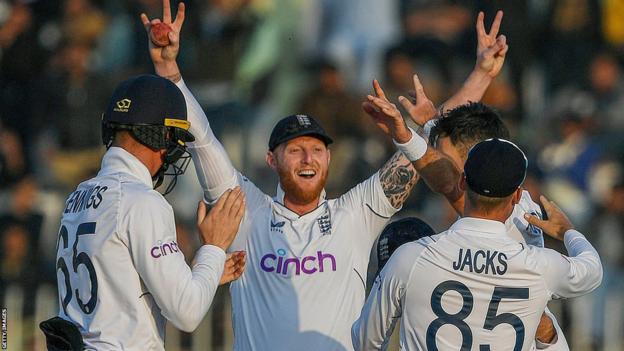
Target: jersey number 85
{"points": [[457, 319]]}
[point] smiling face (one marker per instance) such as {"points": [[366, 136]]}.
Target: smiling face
{"points": [[302, 165]]}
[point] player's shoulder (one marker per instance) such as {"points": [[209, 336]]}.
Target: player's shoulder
{"points": [[540, 258], [140, 197], [406, 256], [93, 194], [413, 249], [368, 195], [402, 261], [433, 239], [254, 196]]}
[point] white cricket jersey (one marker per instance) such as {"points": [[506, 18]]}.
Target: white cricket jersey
{"points": [[471, 287], [520, 230], [305, 279], [120, 272]]}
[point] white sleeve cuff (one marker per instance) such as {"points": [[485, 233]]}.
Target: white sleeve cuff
{"points": [[209, 251], [543, 345], [414, 149]]}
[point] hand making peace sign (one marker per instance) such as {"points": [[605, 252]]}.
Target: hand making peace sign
{"points": [[491, 47]]}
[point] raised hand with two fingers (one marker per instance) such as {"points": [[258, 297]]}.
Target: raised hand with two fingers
{"points": [[491, 47], [386, 115], [422, 109]]}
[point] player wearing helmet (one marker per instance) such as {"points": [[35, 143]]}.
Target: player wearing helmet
{"points": [[120, 272]]}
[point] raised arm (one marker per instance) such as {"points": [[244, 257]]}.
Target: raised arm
{"points": [[491, 51], [214, 169], [440, 173], [397, 176]]}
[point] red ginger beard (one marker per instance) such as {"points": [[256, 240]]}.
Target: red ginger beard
{"points": [[294, 192]]}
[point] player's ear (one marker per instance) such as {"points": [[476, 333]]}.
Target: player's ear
{"points": [[328, 156], [270, 160], [462, 182], [516, 196]]}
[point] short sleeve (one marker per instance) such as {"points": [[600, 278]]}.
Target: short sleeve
{"points": [[368, 203]]}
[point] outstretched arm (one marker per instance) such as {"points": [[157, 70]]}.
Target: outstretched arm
{"points": [[214, 169], [440, 173], [164, 57], [397, 176]]}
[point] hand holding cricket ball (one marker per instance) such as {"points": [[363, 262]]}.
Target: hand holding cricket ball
{"points": [[164, 38], [159, 34]]}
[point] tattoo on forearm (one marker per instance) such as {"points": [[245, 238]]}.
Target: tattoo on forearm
{"points": [[398, 177]]}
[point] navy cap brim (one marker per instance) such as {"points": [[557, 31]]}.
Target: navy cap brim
{"points": [[324, 138]]}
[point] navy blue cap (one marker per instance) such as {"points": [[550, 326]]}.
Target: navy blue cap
{"points": [[495, 168], [398, 233], [295, 126]]}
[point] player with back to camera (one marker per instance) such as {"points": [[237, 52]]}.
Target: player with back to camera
{"points": [[452, 135], [120, 272], [303, 286], [474, 285], [462, 126]]}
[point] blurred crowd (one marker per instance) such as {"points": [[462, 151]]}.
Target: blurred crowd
{"points": [[251, 62]]}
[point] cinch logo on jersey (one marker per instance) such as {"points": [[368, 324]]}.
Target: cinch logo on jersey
{"points": [[161, 249], [308, 265]]}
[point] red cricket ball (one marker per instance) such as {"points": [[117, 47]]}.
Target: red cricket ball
{"points": [[159, 34]]}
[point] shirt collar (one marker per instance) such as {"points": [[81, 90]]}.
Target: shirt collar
{"points": [[117, 160], [280, 208], [480, 225]]}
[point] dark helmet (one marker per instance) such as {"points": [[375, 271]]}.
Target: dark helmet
{"points": [[398, 233], [153, 110]]}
